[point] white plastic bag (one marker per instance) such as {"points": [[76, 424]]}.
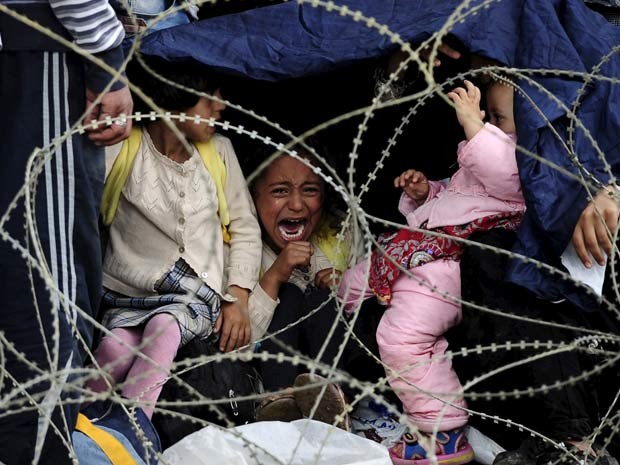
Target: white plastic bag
{"points": [[301, 442], [485, 448]]}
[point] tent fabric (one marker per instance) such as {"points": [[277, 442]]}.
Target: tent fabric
{"points": [[292, 40]]}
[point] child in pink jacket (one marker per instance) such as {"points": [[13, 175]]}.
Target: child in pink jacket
{"points": [[484, 193]]}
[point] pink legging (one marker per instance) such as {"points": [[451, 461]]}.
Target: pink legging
{"points": [[158, 341], [410, 334]]}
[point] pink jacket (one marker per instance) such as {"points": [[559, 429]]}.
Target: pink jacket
{"points": [[486, 183]]}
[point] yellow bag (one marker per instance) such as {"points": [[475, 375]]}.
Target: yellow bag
{"points": [[113, 449]]}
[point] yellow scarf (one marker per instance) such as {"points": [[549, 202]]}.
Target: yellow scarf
{"points": [[324, 237]]}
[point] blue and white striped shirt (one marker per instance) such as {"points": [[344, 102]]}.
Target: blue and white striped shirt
{"points": [[92, 23]]}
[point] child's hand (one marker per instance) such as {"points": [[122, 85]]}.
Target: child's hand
{"points": [[294, 255], [234, 321], [414, 183], [467, 104], [324, 279]]}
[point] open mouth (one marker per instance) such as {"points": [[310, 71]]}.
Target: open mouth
{"points": [[292, 229]]}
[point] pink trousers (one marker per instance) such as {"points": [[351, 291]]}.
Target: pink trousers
{"points": [[411, 341], [143, 378]]}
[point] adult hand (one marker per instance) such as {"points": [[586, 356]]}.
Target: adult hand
{"points": [[444, 50], [112, 104], [294, 255], [467, 104], [234, 321], [327, 278], [414, 183], [590, 235]]}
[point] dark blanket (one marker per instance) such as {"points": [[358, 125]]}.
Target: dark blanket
{"points": [[292, 40]]}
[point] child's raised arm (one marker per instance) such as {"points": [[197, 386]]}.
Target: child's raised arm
{"points": [[467, 104]]}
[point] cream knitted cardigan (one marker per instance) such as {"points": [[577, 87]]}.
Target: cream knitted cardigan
{"points": [[168, 211]]}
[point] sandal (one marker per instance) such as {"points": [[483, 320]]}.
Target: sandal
{"points": [[280, 407], [451, 448], [332, 405]]}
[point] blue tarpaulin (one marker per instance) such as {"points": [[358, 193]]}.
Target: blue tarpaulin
{"points": [[291, 40]]}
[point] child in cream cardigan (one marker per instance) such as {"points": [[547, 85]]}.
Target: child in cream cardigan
{"points": [[184, 246]]}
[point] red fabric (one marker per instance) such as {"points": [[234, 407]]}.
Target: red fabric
{"points": [[408, 249]]}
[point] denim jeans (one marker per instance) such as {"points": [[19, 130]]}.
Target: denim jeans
{"points": [[89, 453]]}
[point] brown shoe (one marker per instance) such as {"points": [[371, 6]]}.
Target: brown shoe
{"points": [[332, 405], [280, 407]]}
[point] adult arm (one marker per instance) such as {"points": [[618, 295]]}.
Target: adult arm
{"points": [[95, 28], [92, 24]]}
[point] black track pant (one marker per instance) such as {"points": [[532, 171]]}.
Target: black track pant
{"points": [[306, 337], [41, 95]]}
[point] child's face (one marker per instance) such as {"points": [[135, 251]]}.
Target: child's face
{"points": [[500, 107], [205, 108], [289, 202]]}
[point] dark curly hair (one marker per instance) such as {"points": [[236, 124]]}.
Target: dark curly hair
{"points": [[331, 199], [165, 95]]}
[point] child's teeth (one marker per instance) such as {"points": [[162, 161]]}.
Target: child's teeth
{"points": [[295, 236]]}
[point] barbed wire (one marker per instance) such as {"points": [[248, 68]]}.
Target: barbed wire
{"points": [[357, 224]]}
